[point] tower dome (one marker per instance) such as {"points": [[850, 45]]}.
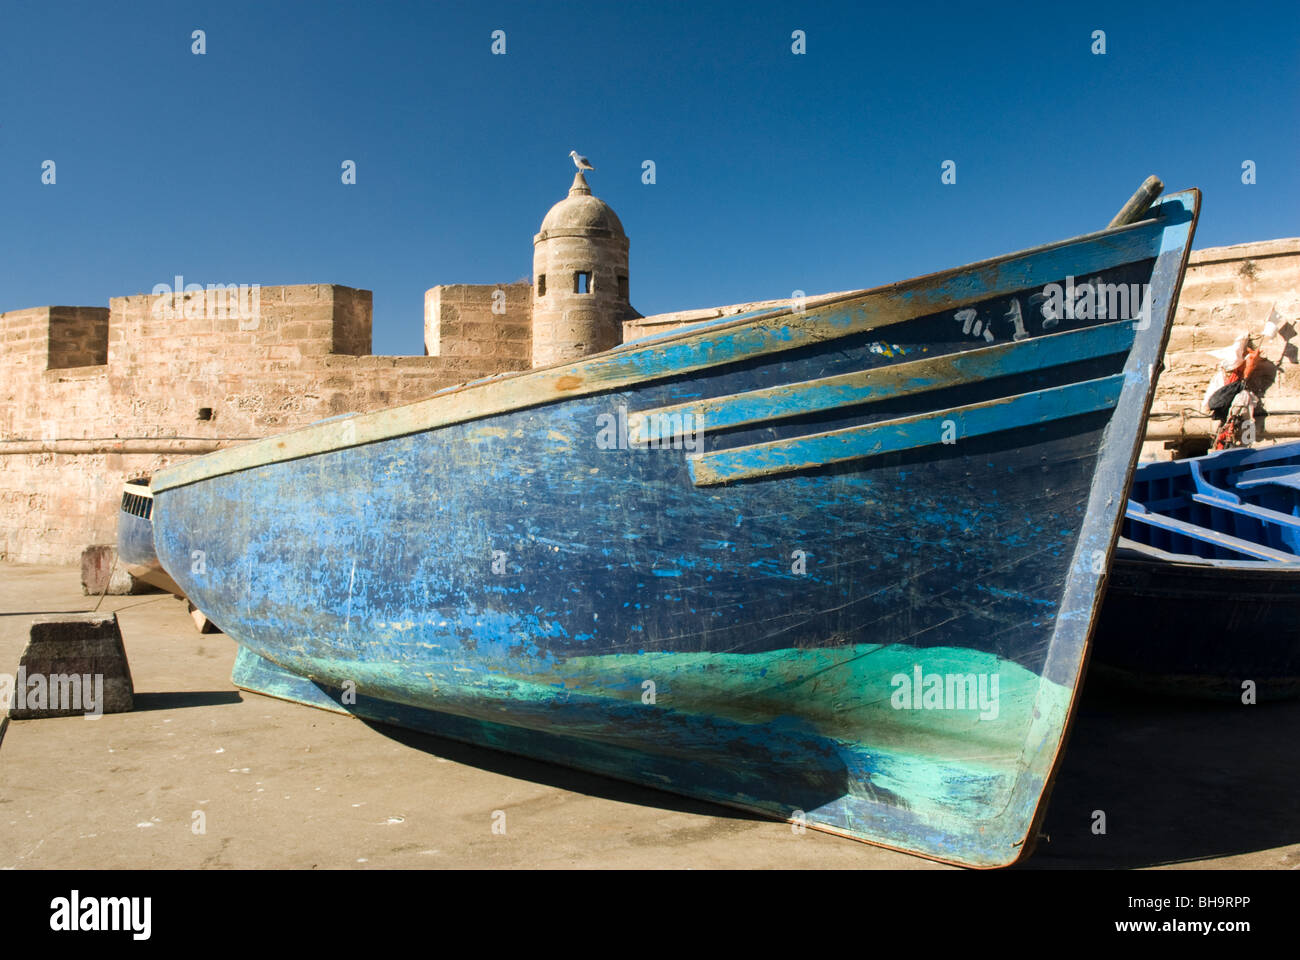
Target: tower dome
{"points": [[581, 211], [580, 278]]}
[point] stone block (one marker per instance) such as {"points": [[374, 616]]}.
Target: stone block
{"points": [[514, 331], [102, 572], [295, 331], [463, 348], [1196, 290], [480, 331], [74, 664], [507, 350]]}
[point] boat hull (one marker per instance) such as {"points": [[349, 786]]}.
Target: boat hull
{"points": [[135, 547], [760, 623], [1204, 602], [1201, 630]]}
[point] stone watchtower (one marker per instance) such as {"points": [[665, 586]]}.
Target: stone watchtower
{"points": [[580, 286]]}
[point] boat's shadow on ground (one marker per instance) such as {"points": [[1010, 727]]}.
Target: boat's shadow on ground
{"points": [[1175, 781], [552, 775]]}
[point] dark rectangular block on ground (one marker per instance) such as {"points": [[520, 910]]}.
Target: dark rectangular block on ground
{"points": [[74, 664]]}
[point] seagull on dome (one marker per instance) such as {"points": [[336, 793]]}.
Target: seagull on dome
{"points": [[582, 163]]}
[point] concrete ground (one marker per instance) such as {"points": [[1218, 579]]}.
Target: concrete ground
{"points": [[280, 785]]}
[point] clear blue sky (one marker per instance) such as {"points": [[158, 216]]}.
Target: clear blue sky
{"points": [[774, 171]]}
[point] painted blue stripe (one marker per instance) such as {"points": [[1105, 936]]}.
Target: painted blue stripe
{"points": [[881, 383], [890, 436]]}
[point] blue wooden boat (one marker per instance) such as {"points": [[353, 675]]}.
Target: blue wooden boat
{"points": [[1204, 591], [135, 537], [836, 566]]}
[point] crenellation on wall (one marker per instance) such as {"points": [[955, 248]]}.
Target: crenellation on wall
{"points": [[27, 337], [481, 322]]}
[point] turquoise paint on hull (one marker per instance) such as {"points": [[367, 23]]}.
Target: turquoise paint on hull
{"points": [[862, 763]]}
